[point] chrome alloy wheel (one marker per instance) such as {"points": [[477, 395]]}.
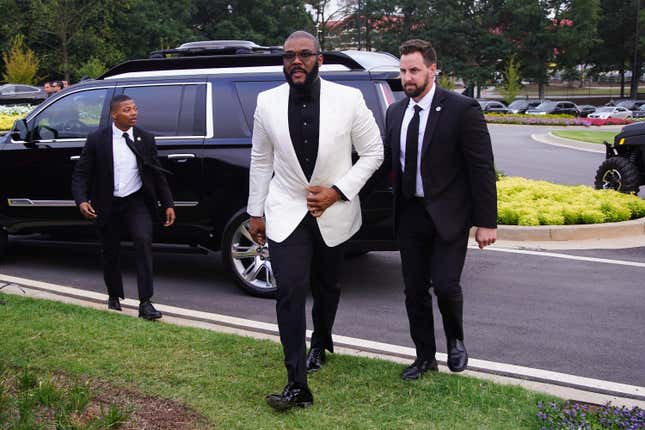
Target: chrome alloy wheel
{"points": [[612, 180], [250, 260]]}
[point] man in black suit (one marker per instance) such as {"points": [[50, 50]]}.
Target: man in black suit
{"points": [[444, 184], [117, 182]]}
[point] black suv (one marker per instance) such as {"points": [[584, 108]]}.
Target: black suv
{"points": [[198, 100], [624, 168]]}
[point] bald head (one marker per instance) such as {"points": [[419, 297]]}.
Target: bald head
{"points": [[301, 34]]}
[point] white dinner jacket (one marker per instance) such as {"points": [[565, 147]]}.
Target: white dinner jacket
{"points": [[277, 184]]}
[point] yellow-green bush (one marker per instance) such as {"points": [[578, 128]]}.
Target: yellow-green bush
{"points": [[6, 121], [523, 201]]}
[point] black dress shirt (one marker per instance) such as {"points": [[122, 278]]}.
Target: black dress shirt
{"points": [[304, 125]]}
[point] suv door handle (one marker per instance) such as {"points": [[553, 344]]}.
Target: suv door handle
{"points": [[75, 157], [179, 157]]}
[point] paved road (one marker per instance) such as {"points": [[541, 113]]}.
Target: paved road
{"points": [[583, 318], [516, 154]]}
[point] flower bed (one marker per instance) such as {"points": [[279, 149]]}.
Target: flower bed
{"points": [[551, 120], [574, 415], [526, 202], [8, 114]]}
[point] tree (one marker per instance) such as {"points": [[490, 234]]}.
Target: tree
{"points": [[21, 64], [512, 81]]}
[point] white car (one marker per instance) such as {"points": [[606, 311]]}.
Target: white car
{"points": [[611, 112]]}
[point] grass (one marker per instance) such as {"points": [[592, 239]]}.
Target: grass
{"points": [[587, 136], [226, 377], [31, 401]]}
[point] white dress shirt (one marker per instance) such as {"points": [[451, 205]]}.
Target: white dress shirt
{"points": [[425, 103], [127, 179]]}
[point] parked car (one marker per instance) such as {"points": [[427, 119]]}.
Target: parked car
{"points": [[631, 104], [201, 110], [606, 112], [624, 167], [493, 106], [585, 110], [521, 106], [555, 108], [640, 113], [21, 94]]}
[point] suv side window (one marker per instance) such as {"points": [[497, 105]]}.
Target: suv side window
{"points": [[72, 117], [171, 110], [248, 95]]}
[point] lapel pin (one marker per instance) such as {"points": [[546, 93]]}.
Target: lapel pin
{"points": [[138, 139], [438, 108]]}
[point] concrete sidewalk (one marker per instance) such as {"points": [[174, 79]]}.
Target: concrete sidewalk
{"points": [[553, 383]]}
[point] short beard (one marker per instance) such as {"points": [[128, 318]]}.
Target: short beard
{"points": [[418, 91], [309, 80]]}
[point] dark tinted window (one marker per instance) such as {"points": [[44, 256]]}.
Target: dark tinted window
{"points": [[248, 95], [171, 110], [74, 116]]}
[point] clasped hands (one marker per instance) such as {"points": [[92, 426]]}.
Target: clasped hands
{"points": [[318, 200]]}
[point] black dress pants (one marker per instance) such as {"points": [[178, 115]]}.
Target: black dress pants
{"points": [[429, 261], [300, 263], [130, 214]]}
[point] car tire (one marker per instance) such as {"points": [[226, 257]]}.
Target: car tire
{"points": [[4, 243], [247, 261], [618, 173]]}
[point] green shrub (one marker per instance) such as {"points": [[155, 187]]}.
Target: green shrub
{"points": [[21, 64], [526, 202], [92, 68]]}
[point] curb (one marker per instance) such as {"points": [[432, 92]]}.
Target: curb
{"points": [[544, 233], [550, 139]]}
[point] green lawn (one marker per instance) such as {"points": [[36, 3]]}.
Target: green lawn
{"points": [[226, 377], [587, 136]]}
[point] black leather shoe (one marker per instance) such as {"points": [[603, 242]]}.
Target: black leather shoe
{"points": [[293, 395], [148, 312], [457, 355], [114, 304], [418, 368], [315, 359]]}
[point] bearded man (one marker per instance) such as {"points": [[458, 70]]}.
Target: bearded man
{"points": [[444, 183], [303, 200]]}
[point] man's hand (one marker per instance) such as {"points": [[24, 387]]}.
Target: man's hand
{"points": [[170, 217], [320, 198], [485, 236], [87, 210], [257, 229]]}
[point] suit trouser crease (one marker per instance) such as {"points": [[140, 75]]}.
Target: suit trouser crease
{"points": [[300, 263], [132, 215], [427, 261]]}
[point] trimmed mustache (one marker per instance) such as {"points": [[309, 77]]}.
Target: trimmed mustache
{"points": [[297, 69]]}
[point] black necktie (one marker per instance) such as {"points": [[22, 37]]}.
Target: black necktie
{"points": [[130, 144], [409, 184]]}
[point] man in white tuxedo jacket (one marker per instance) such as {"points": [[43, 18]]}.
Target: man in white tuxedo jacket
{"points": [[303, 199]]}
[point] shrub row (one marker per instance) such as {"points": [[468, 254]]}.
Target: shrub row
{"points": [[526, 202]]}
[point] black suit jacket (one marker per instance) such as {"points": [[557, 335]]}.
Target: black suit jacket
{"points": [[93, 177], [456, 163]]}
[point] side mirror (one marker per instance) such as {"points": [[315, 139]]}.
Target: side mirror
{"points": [[20, 130]]}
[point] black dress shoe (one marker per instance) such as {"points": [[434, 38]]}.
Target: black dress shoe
{"points": [[315, 359], [293, 395], [418, 368], [457, 355], [114, 304], [148, 312]]}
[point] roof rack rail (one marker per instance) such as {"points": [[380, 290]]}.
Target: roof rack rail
{"points": [[216, 47], [219, 61]]}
